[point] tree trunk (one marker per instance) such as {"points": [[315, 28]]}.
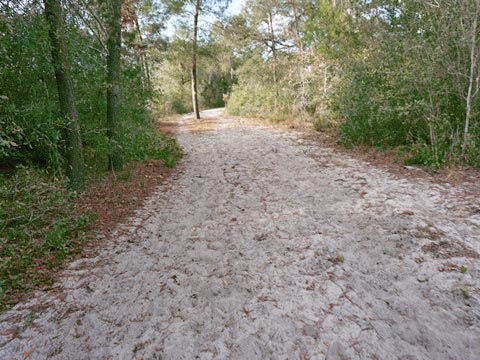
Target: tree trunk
{"points": [[75, 163], [114, 44], [143, 59], [274, 55], [301, 50], [471, 79], [194, 60]]}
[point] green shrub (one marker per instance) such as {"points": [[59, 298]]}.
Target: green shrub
{"points": [[38, 228]]}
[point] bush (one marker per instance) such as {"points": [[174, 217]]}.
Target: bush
{"points": [[38, 228], [411, 93]]}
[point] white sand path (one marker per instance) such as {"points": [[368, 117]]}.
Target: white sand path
{"points": [[267, 246]]}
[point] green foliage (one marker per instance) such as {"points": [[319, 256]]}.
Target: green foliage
{"points": [[29, 101], [29, 105], [37, 226], [280, 78], [173, 78], [251, 100], [254, 95], [331, 30], [370, 103], [142, 145], [213, 88], [12, 137], [174, 89], [390, 74], [407, 86]]}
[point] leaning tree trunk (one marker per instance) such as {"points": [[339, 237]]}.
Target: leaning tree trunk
{"points": [[194, 60], [75, 164], [114, 44], [274, 55]]}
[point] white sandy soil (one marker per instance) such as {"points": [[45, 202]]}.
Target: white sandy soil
{"points": [[269, 246]]}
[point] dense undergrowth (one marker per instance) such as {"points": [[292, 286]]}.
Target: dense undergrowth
{"points": [[390, 74], [39, 226]]}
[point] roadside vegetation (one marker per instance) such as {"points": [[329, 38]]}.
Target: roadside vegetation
{"points": [[401, 75], [57, 141], [387, 74], [39, 229], [82, 83]]}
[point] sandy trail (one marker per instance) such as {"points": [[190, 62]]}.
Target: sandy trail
{"points": [[268, 246]]}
